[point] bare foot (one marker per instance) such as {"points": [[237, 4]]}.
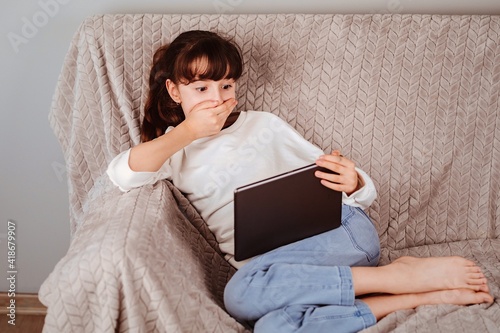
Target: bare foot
{"points": [[441, 273], [408, 275], [456, 296], [382, 305]]}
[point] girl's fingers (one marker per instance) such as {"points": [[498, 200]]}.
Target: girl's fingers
{"points": [[221, 111], [334, 185], [338, 183], [331, 163], [204, 105], [337, 158], [208, 117], [218, 108], [347, 178], [228, 107], [337, 179]]}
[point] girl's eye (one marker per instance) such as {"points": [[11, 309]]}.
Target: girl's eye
{"points": [[201, 89], [226, 86]]}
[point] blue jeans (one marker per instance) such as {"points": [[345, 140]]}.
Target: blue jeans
{"points": [[307, 286]]}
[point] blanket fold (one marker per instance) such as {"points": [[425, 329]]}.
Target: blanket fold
{"points": [[138, 264]]}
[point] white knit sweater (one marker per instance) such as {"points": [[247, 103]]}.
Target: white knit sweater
{"points": [[257, 146]]}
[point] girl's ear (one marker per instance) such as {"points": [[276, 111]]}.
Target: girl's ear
{"points": [[173, 91]]}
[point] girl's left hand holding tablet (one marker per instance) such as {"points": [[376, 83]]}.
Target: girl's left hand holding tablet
{"points": [[346, 180]]}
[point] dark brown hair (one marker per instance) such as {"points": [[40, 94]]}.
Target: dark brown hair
{"points": [[178, 61]]}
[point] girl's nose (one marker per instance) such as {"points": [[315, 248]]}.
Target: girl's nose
{"points": [[217, 96]]}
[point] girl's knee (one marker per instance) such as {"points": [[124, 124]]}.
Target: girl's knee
{"points": [[244, 298], [236, 302], [232, 297]]}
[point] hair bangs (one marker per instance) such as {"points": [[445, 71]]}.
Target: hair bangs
{"points": [[207, 60]]}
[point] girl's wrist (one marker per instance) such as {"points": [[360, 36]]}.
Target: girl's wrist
{"points": [[360, 184], [188, 135]]}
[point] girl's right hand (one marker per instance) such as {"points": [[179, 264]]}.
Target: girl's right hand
{"points": [[207, 118]]}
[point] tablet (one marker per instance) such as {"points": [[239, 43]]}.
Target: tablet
{"points": [[283, 209]]}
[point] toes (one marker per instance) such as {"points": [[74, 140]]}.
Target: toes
{"points": [[484, 297], [474, 270], [480, 297], [488, 299], [484, 288], [465, 297], [476, 279], [479, 288]]}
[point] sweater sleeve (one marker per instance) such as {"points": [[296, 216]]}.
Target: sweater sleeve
{"points": [[126, 179]]}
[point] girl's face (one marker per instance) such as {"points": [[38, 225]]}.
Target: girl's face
{"points": [[191, 94]]}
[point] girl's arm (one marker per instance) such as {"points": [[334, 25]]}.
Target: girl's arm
{"points": [[150, 156], [146, 163], [204, 120]]}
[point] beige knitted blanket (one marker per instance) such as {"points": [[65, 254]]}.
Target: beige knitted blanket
{"points": [[414, 99]]}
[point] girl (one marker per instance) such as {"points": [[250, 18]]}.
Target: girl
{"points": [[191, 136]]}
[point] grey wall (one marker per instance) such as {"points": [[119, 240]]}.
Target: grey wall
{"points": [[33, 190]]}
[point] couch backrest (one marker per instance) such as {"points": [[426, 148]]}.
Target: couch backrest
{"points": [[413, 99]]}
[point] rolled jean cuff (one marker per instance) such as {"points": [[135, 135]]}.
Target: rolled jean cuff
{"points": [[365, 313], [346, 286]]}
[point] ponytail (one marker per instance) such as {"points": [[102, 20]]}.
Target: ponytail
{"points": [[160, 110]]}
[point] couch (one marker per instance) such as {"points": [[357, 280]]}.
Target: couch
{"points": [[413, 99]]}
